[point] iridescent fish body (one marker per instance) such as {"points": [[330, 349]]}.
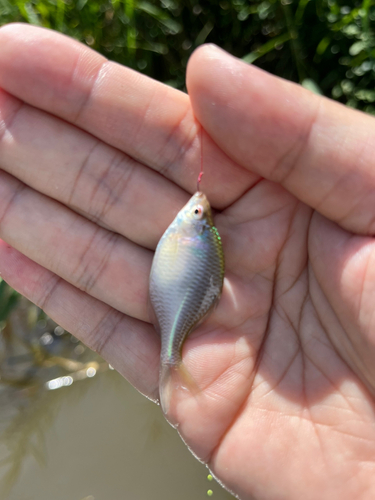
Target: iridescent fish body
{"points": [[186, 280]]}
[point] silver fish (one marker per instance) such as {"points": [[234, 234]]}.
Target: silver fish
{"points": [[186, 280]]}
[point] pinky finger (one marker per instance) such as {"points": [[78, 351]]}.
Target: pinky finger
{"points": [[129, 345]]}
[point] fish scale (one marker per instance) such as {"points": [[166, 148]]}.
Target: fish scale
{"points": [[186, 276]]}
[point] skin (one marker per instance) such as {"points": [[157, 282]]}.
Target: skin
{"points": [[97, 160]]}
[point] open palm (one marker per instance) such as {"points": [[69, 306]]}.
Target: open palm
{"points": [[96, 160]]}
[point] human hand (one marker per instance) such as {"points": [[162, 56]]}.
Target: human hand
{"points": [[96, 160]]}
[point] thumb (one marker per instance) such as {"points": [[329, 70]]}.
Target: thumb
{"points": [[319, 150]]}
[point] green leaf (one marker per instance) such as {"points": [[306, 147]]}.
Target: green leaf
{"points": [[131, 33], [309, 84], [203, 34], [323, 45], [267, 47], [8, 300], [356, 48], [27, 11], [160, 16]]}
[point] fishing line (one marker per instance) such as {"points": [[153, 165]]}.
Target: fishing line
{"points": [[201, 172]]}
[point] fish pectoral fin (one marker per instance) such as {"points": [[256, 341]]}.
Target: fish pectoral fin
{"points": [[172, 378]]}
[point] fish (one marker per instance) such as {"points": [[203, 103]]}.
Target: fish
{"points": [[186, 282]]}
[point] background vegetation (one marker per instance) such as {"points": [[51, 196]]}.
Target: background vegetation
{"points": [[328, 45]]}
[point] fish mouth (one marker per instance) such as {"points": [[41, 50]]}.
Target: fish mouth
{"points": [[200, 197]]}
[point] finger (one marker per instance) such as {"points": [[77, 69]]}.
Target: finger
{"points": [[92, 178], [95, 260], [149, 121], [320, 151], [129, 345]]}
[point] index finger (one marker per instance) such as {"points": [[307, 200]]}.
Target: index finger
{"points": [[151, 122]]}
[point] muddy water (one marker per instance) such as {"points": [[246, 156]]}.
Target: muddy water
{"points": [[105, 441]]}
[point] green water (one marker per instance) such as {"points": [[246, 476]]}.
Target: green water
{"points": [[106, 441]]}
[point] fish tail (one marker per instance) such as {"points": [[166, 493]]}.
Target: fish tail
{"points": [[172, 377]]}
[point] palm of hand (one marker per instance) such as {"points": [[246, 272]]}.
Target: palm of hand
{"points": [[282, 382], [284, 363]]}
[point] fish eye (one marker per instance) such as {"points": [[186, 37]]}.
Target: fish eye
{"points": [[198, 212]]}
